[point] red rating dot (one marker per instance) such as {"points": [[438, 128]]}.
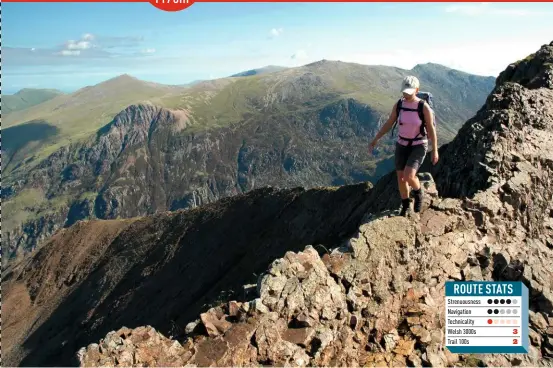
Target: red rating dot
{"points": [[490, 321]]}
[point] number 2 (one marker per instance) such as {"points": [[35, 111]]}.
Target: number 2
{"points": [[515, 341]]}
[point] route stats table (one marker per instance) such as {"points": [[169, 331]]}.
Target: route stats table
{"points": [[486, 317]]}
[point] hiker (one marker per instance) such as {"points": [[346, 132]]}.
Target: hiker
{"points": [[412, 143]]}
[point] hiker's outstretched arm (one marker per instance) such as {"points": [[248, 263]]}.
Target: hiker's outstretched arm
{"points": [[387, 125]]}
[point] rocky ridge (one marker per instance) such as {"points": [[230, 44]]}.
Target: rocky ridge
{"points": [[378, 298]]}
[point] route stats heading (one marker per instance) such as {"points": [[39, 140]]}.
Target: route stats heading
{"points": [[486, 317]]}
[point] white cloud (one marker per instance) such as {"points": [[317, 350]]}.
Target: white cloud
{"points": [[299, 55], [78, 45], [88, 37], [490, 9], [73, 48], [87, 46], [70, 52], [275, 32]]}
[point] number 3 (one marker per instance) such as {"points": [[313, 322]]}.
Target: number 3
{"points": [[515, 331]]}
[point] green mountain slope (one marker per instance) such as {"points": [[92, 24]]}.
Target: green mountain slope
{"points": [[129, 148], [41, 129], [25, 98]]}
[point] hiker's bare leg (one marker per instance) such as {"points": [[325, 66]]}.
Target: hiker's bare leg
{"points": [[402, 185], [410, 175]]}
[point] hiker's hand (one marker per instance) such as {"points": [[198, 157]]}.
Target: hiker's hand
{"points": [[372, 145], [435, 157]]}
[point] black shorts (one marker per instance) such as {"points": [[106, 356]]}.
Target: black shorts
{"points": [[410, 156]]}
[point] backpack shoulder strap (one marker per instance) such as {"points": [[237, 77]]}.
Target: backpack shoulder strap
{"points": [[398, 107], [420, 109]]}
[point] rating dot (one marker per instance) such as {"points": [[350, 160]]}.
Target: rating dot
{"points": [[508, 321], [490, 311], [508, 311], [490, 321], [496, 301], [514, 311], [496, 311], [495, 321], [490, 301], [514, 301], [502, 311], [502, 301], [502, 321], [508, 301]]}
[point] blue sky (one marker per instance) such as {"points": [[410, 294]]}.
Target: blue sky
{"points": [[71, 45]]}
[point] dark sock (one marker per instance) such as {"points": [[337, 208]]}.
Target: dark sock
{"points": [[417, 195], [404, 206]]}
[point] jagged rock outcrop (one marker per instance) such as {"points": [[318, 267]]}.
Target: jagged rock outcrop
{"points": [[378, 298]]}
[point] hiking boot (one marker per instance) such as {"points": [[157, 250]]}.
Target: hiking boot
{"points": [[405, 207], [417, 195]]}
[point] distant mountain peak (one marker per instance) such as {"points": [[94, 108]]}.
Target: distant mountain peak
{"points": [[322, 62], [27, 97], [124, 82], [435, 67], [31, 90], [118, 80], [257, 71], [432, 64], [124, 77]]}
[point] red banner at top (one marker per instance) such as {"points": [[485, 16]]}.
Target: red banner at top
{"points": [[177, 5], [171, 5]]}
